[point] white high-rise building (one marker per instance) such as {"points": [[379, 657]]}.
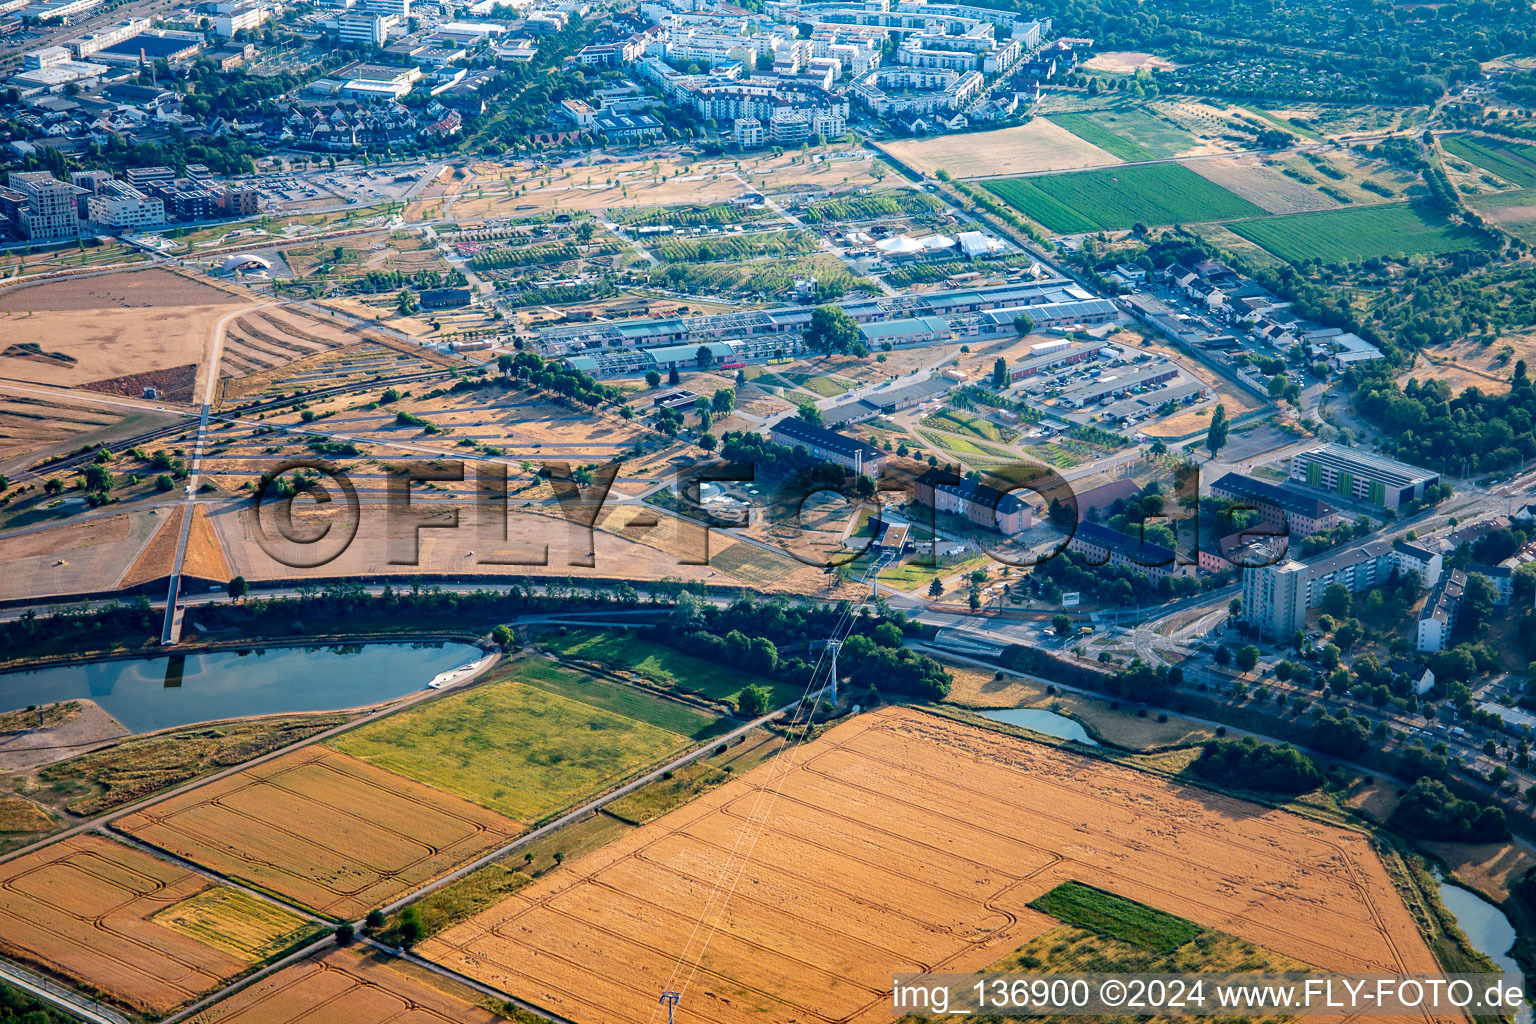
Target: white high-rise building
{"points": [[53, 207], [1275, 598]]}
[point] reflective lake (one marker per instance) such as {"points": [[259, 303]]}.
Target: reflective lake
{"points": [[146, 694]]}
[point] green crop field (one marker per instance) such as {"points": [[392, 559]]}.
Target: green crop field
{"points": [[1130, 133], [1115, 916], [1356, 233], [1090, 130], [665, 666], [1117, 198], [1512, 162], [524, 749]]}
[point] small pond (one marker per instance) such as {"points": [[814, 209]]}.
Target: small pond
{"points": [[1048, 722]]}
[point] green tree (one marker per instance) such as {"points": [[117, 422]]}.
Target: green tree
{"points": [[935, 588], [237, 588], [374, 921], [753, 700], [1060, 624], [1247, 657], [1000, 372], [810, 414], [410, 927], [832, 330], [724, 402], [344, 933], [1216, 437], [1024, 323], [98, 479], [502, 634], [708, 441], [652, 379]]}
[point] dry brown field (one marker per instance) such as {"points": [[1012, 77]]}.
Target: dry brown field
{"points": [[345, 986], [33, 427], [204, 557], [492, 189], [264, 339], [83, 909], [323, 829], [1490, 868], [904, 842], [159, 556], [1262, 185], [73, 558], [137, 289], [1040, 145], [538, 543]]}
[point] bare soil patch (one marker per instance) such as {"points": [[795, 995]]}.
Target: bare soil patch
{"points": [[136, 289], [901, 842], [73, 558], [1040, 145], [84, 726], [1126, 62]]}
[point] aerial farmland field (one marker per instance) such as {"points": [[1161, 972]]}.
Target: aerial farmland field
{"points": [[148, 934], [1356, 233], [1509, 160], [349, 987], [899, 842], [1117, 198], [529, 744], [323, 829]]}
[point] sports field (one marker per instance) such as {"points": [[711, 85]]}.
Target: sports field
{"points": [[1511, 161], [899, 842], [346, 986], [1117, 198], [531, 744], [96, 912], [322, 829], [1356, 233]]}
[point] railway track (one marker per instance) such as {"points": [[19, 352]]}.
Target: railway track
{"points": [[74, 460]]}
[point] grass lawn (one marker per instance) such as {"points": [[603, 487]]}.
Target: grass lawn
{"points": [[821, 384], [1116, 198], [665, 666], [1116, 917], [515, 747], [1356, 233], [961, 446], [965, 423], [674, 716], [1512, 162]]}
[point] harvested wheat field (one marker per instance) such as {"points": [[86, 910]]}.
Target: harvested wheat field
{"points": [[346, 986], [901, 841], [323, 829], [88, 909], [264, 339], [1040, 145]]}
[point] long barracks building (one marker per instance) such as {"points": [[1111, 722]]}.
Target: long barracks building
{"points": [[789, 321]]}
